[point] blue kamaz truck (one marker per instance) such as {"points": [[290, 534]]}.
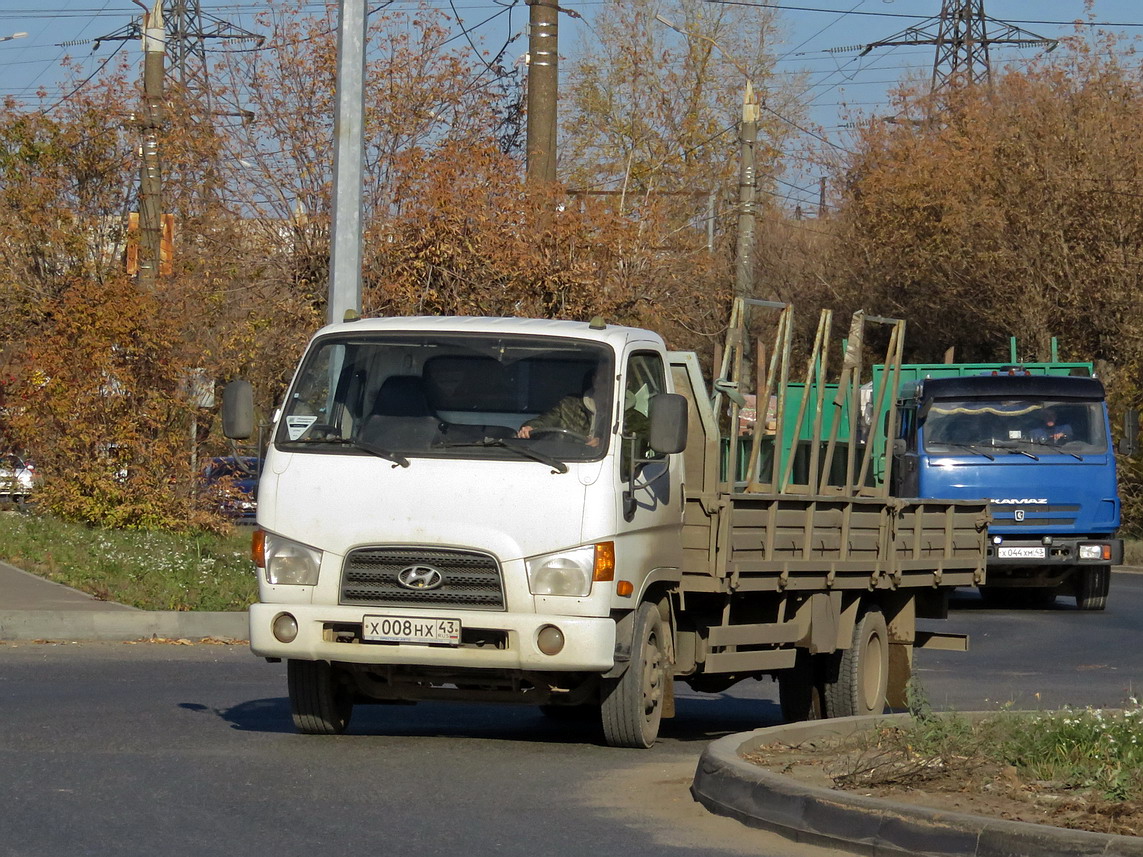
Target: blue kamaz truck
{"points": [[1035, 440]]}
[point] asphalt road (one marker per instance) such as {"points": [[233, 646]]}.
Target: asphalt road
{"points": [[1037, 659], [159, 749], [156, 749]]}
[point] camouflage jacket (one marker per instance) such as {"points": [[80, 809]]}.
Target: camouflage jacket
{"points": [[570, 413]]}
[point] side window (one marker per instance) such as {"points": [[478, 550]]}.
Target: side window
{"points": [[644, 380]]}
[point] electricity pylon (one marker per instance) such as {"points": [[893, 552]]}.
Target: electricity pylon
{"points": [[962, 35], [188, 29]]}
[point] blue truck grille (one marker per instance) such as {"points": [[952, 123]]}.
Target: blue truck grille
{"points": [[1034, 515], [467, 579]]}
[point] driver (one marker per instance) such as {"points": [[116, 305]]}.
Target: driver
{"points": [[1052, 430], [576, 413]]}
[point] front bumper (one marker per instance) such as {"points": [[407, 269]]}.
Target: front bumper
{"points": [[489, 640], [1046, 561]]}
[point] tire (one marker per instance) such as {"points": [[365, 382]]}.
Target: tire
{"points": [[320, 704], [800, 690], [632, 705], [1092, 585], [862, 678]]}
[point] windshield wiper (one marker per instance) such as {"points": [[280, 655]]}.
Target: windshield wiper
{"points": [[388, 455], [971, 447], [1012, 450], [501, 443], [1051, 446]]}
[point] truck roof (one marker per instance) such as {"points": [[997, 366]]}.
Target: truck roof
{"points": [[1017, 386], [613, 334]]}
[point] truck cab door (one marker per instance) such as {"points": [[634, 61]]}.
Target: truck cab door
{"points": [[650, 489], [904, 481]]}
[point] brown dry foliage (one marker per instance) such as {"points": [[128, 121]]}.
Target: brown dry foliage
{"points": [[1012, 211], [986, 213]]}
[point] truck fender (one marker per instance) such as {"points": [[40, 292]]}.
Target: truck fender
{"points": [[624, 633], [625, 630]]}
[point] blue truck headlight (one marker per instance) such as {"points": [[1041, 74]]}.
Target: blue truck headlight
{"points": [[1094, 552], [564, 573], [289, 562]]}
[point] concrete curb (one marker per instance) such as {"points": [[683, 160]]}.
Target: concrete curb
{"points": [[122, 625], [728, 785]]}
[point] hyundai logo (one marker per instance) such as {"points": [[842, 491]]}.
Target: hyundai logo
{"points": [[420, 577]]}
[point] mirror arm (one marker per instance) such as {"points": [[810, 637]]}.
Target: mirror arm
{"points": [[629, 504]]}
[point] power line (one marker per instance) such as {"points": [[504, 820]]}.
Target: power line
{"points": [[902, 15]]}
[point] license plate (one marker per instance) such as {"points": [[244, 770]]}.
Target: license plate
{"points": [[1021, 553], [406, 629]]}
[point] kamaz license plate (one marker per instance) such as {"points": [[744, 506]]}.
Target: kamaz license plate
{"points": [[405, 629], [1021, 553]]}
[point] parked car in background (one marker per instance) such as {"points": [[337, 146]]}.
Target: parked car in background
{"points": [[17, 478], [231, 482]]}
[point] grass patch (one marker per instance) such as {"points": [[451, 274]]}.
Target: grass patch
{"points": [[149, 569], [1093, 751], [1133, 552]]}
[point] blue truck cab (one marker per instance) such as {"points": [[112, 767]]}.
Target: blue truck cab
{"points": [[1039, 447]]}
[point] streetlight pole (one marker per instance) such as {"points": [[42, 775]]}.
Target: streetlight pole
{"points": [[348, 162]]}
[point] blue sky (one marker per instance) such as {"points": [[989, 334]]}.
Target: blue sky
{"points": [[814, 31]]}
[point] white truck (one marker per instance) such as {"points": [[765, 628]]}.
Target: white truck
{"points": [[537, 511]]}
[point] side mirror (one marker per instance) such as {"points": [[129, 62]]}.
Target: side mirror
{"points": [[668, 418], [238, 410], [1129, 445]]}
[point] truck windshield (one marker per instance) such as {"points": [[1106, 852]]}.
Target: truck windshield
{"points": [[405, 395], [1026, 426]]}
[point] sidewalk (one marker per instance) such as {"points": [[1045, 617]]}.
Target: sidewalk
{"points": [[32, 608]]}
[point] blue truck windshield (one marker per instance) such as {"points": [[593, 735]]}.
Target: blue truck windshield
{"points": [[401, 395], [1022, 425]]}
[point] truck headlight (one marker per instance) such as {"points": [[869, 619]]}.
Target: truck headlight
{"points": [[564, 573], [291, 562]]}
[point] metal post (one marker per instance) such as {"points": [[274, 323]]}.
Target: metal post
{"points": [[150, 171], [747, 137], [348, 156], [543, 88]]}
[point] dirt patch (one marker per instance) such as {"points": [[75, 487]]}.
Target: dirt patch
{"points": [[869, 765]]}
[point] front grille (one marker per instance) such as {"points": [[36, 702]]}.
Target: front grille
{"points": [[470, 580], [1034, 515]]}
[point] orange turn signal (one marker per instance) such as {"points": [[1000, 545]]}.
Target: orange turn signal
{"points": [[258, 548], [604, 567], [624, 588]]}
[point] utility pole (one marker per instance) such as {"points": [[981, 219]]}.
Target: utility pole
{"points": [[150, 174], [348, 167], [543, 88], [747, 182], [962, 39]]}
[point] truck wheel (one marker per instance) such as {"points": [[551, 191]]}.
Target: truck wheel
{"points": [[800, 690], [1092, 585], [633, 703], [320, 704], [863, 670]]}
